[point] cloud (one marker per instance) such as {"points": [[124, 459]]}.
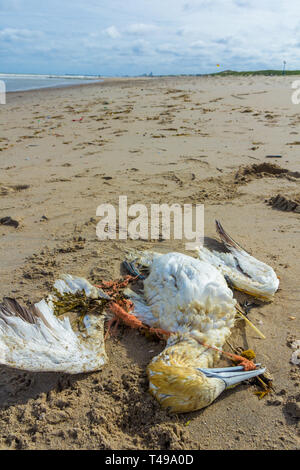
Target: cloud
{"points": [[167, 48], [141, 47], [241, 3], [141, 28], [112, 32], [17, 35], [114, 37], [196, 5], [198, 43]]}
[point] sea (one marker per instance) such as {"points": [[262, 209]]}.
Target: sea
{"points": [[22, 82]]}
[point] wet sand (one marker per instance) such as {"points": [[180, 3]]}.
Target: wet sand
{"points": [[157, 140]]}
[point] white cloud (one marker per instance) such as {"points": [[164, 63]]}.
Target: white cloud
{"points": [[169, 36], [141, 28], [198, 43], [112, 32], [14, 35]]}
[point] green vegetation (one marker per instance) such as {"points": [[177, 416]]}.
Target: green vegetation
{"points": [[257, 72], [78, 303]]}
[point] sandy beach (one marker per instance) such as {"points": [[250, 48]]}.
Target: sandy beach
{"points": [[187, 140]]}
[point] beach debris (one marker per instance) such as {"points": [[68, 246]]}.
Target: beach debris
{"points": [[121, 308], [273, 156], [9, 221], [7, 189], [282, 203], [265, 384], [243, 316], [245, 359], [263, 381], [79, 303], [247, 306], [295, 359], [265, 169]]}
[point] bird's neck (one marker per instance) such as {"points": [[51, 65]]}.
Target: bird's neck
{"points": [[191, 352]]}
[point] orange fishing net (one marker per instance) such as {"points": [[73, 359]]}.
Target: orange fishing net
{"points": [[122, 308]]}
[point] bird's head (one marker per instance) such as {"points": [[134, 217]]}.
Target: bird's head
{"points": [[177, 383], [182, 389]]}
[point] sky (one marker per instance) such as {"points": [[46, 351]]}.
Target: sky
{"points": [[133, 37]]}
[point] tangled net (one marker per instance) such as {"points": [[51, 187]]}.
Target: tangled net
{"points": [[121, 307]]}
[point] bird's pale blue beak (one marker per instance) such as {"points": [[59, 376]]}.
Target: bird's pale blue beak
{"points": [[232, 375]]}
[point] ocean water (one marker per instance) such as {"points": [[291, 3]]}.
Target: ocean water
{"points": [[16, 82]]}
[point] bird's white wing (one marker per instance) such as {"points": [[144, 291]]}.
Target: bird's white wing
{"points": [[71, 284], [244, 272], [34, 339]]}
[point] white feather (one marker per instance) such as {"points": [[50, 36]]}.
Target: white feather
{"points": [[183, 294], [50, 344], [245, 272]]}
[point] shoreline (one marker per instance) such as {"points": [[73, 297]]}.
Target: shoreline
{"points": [[55, 87], [109, 82], [63, 85], [119, 81], [220, 75]]}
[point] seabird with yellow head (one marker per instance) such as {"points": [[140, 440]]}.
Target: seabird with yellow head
{"points": [[190, 297]]}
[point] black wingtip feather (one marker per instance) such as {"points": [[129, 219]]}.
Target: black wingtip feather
{"points": [[11, 307], [226, 239]]}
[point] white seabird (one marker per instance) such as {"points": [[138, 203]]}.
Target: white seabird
{"points": [[190, 298]]}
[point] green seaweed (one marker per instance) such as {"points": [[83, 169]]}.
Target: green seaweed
{"points": [[265, 384], [78, 303]]}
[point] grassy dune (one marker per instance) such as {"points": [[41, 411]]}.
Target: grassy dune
{"points": [[258, 72]]}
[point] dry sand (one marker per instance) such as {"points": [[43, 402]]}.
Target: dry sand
{"points": [[172, 140]]}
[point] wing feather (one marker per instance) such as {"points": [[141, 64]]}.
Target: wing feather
{"points": [[33, 338]]}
